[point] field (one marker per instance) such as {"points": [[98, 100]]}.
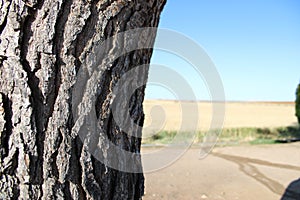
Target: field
{"points": [[242, 171], [237, 114]]}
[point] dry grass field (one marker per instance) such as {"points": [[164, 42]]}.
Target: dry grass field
{"points": [[167, 115]]}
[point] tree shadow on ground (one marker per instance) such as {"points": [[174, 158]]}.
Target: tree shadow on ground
{"points": [[293, 191]]}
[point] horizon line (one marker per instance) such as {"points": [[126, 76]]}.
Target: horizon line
{"points": [[217, 101]]}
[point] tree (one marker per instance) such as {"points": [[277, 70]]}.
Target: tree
{"points": [[43, 47], [298, 103]]}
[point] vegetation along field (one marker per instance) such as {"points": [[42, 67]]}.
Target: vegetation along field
{"points": [[245, 122]]}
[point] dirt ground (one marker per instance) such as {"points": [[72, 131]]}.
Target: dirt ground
{"points": [[260, 172], [235, 172]]}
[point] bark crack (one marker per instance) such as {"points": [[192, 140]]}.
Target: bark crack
{"points": [[37, 123], [2, 58], [55, 171], [78, 150], [16, 191], [57, 48], [36, 99], [88, 30], [3, 25], [27, 32], [8, 127], [66, 190], [13, 164]]}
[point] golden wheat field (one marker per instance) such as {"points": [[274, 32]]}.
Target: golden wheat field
{"points": [[176, 115]]}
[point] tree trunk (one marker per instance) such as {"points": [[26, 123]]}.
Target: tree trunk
{"points": [[43, 47], [297, 103]]}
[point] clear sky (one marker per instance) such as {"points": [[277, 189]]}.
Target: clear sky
{"points": [[255, 46]]}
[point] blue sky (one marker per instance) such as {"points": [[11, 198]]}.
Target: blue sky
{"points": [[255, 46]]}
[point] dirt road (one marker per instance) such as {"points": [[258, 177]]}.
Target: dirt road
{"points": [[243, 172]]}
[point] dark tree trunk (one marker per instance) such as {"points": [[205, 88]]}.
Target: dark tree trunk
{"points": [[43, 45], [297, 103]]}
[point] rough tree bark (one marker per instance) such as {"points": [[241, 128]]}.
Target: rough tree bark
{"points": [[43, 43]]}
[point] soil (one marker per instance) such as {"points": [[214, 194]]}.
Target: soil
{"points": [[261, 172]]}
